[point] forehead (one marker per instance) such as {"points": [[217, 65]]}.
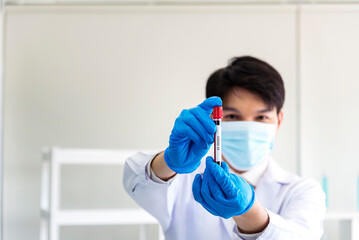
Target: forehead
{"points": [[240, 96]]}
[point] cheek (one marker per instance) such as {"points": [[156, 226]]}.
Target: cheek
{"points": [[274, 120]]}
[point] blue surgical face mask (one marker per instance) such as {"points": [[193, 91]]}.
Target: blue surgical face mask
{"points": [[245, 144]]}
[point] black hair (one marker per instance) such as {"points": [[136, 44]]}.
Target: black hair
{"points": [[252, 74]]}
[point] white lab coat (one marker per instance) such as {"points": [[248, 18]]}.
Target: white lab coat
{"points": [[296, 206]]}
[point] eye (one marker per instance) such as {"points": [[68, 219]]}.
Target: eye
{"points": [[232, 117], [261, 118]]}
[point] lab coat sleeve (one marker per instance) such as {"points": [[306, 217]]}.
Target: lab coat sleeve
{"points": [[153, 176], [244, 236], [156, 198], [301, 217]]}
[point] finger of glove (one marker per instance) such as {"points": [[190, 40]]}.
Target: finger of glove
{"points": [[230, 196], [222, 178], [207, 195], [244, 195], [215, 189], [190, 119], [218, 191], [196, 190], [242, 184], [205, 190], [224, 204], [211, 203], [209, 103], [219, 171], [185, 131], [225, 167], [205, 119]]}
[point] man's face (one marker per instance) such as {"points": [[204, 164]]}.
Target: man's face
{"points": [[242, 105]]}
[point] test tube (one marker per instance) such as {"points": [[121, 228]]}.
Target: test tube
{"points": [[217, 118]]}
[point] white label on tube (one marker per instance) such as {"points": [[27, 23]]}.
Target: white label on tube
{"points": [[218, 142]]}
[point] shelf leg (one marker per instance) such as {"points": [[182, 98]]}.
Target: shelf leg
{"points": [[160, 233], [143, 232], [355, 229]]}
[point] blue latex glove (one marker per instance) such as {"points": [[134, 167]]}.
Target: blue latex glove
{"points": [[222, 193], [191, 137]]}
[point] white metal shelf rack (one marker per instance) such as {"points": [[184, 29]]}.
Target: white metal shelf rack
{"points": [[52, 217], [352, 217]]}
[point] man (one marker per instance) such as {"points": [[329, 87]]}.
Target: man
{"points": [[249, 196]]}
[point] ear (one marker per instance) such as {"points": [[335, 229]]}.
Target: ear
{"points": [[280, 119]]}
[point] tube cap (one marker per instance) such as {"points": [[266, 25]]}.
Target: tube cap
{"points": [[217, 113]]}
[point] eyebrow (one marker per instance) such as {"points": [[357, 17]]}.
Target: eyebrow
{"points": [[231, 109], [264, 110], [236, 110]]}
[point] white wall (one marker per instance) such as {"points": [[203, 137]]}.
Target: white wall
{"points": [[330, 54], [117, 77]]}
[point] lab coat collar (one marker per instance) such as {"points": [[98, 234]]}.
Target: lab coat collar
{"points": [[277, 173], [267, 168], [270, 184], [255, 174]]}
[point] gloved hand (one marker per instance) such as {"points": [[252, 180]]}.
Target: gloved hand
{"points": [[191, 137], [222, 193]]}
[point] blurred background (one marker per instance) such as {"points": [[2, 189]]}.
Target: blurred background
{"points": [[115, 74]]}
